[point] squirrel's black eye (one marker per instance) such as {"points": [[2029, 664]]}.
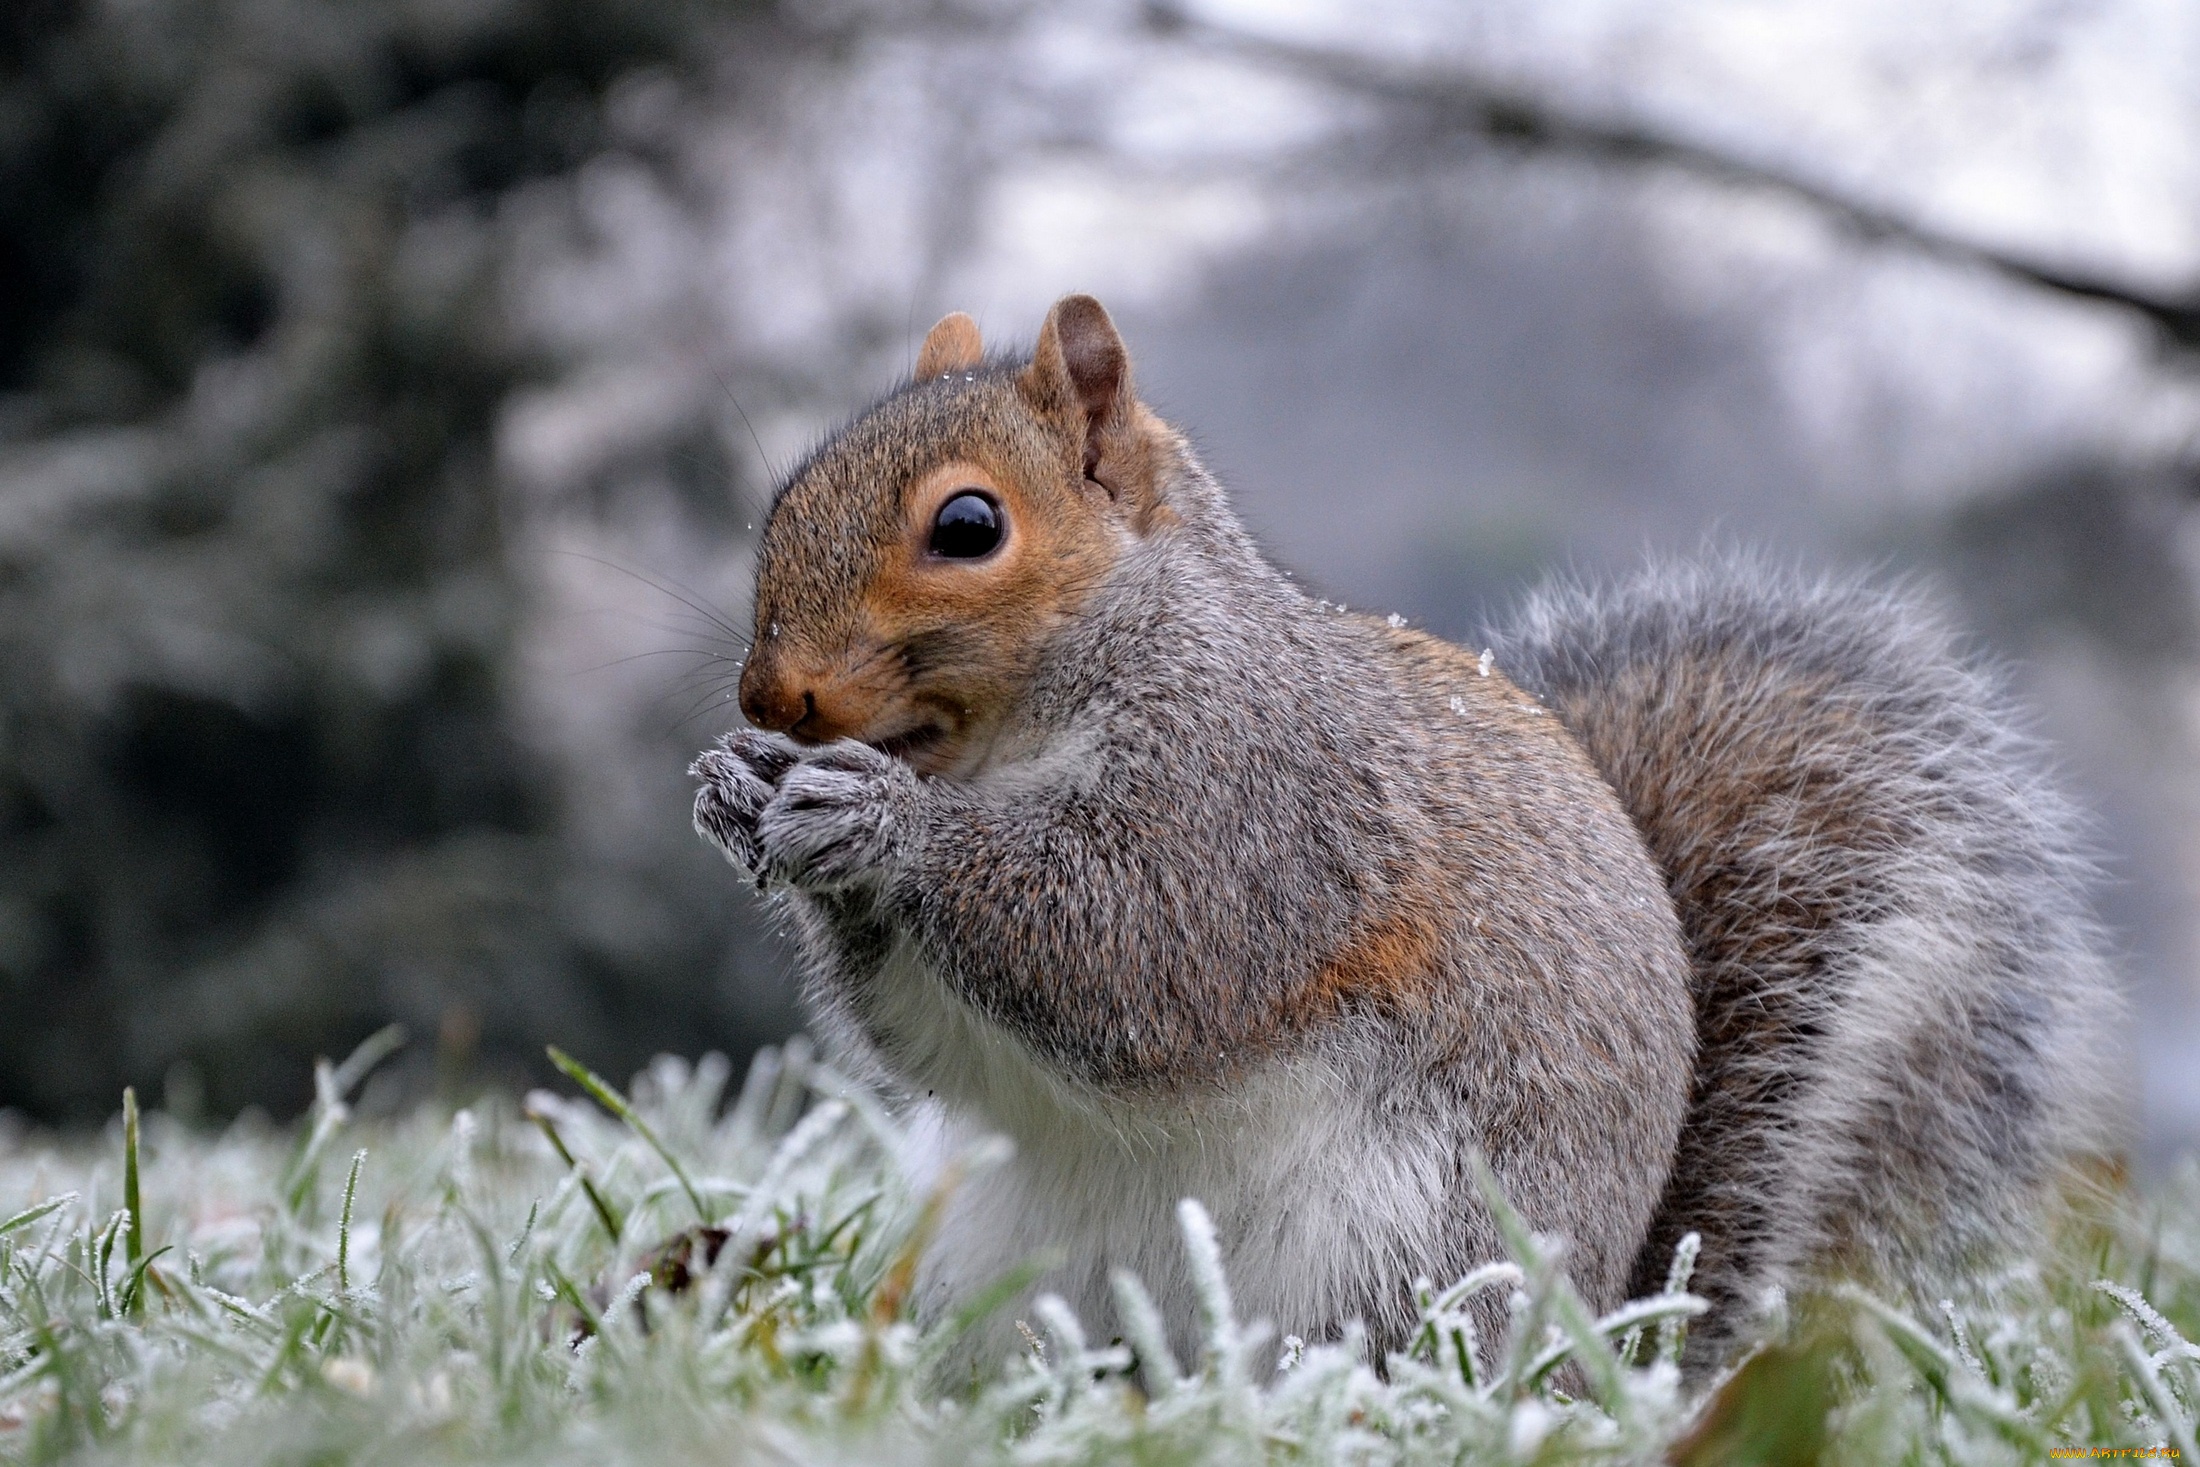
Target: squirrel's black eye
{"points": [[967, 526]]}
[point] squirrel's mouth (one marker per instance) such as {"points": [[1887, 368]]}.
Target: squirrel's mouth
{"points": [[909, 742]]}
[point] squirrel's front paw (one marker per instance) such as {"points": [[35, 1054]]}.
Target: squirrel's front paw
{"points": [[738, 777], [837, 817]]}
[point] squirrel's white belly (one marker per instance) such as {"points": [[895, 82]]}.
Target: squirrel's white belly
{"points": [[1323, 1197]]}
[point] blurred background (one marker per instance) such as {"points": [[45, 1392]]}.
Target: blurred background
{"points": [[388, 389]]}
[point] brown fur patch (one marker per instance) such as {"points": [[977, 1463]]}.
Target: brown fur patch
{"points": [[942, 647], [1389, 964], [1130, 466]]}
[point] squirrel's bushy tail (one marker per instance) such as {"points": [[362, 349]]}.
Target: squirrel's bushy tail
{"points": [[1898, 984]]}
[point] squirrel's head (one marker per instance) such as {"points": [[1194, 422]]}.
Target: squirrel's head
{"points": [[913, 568]]}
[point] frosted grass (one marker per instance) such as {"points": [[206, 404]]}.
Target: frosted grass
{"points": [[657, 1276]]}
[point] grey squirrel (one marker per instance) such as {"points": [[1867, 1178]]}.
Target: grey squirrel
{"points": [[1719, 901]]}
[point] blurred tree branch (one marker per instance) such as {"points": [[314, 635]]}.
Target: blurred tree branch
{"points": [[1453, 99]]}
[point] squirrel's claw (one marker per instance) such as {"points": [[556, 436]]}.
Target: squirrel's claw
{"points": [[738, 777], [835, 818], [766, 755]]}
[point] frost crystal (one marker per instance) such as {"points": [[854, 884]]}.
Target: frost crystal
{"points": [[1482, 663], [1396, 621], [1458, 705]]}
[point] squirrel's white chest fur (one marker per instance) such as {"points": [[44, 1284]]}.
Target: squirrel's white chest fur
{"points": [[1317, 1189]]}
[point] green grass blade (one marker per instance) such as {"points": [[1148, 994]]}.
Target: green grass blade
{"points": [[133, 1287], [36, 1211], [371, 1051], [343, 1222], [614, 1227], [611, 1100]]}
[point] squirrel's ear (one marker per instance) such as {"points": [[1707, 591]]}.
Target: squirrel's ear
{"points": [[951, 346], [1079, 368], [1081, 377]]}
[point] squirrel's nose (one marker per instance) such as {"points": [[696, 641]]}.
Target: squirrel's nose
{"points": [[772, 702]]}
